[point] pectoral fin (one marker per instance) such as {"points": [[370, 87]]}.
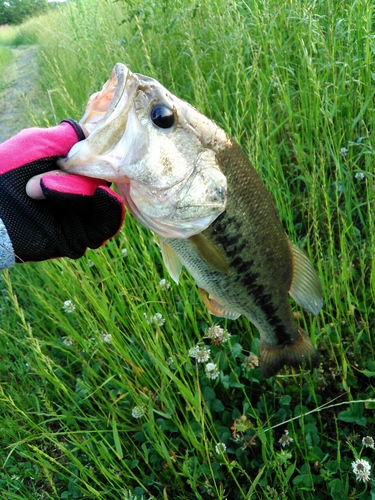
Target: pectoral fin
{"points": [[171, 261], [306, 288], [209, 253], [216, 307]]}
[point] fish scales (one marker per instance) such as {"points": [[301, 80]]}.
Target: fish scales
{"points": [[251, 238], [184, 178]]}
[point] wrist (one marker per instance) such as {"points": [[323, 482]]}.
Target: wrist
{"points": [[7, 257]]}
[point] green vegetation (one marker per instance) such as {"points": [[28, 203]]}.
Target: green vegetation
{"points": [[293, 82], [17, 11], [13, 36], [5, 57]]}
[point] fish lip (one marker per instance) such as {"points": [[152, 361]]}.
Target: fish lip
{"points": [[118, 77], [121, 72]]}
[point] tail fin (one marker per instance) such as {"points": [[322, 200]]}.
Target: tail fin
{"points": [[300, 353]]}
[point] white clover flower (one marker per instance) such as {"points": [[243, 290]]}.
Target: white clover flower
{"points": [[360, 176], [193, 351], [124, 252], [138, 411], [68, 342], [220, 448], [212, 371], [107, 338], [251, 362], [344, 151], [361, 469], [158, 319], [164, 284], [218, 334], [129, 495], [68, 306], [203, 355], [368, 441], [148, 321], [209, 491], [285, 439]]}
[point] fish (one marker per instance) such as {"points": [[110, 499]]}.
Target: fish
{"points": [[183, 177]]}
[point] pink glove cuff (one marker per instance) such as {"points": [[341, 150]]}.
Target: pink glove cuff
{"points": [[34, 143]]}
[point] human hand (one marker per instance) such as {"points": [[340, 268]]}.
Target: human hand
{"points": [[75, 212]]}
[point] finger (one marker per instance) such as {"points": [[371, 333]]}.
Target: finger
{"points": [[33, 187], [67, 185]]}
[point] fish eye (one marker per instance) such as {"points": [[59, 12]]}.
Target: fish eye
{"points": [[162, 116]]}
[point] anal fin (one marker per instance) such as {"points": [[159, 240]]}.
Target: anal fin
{"points": [[216, 307]]}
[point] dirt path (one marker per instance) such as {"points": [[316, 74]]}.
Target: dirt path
{"points": [[20, 91]]}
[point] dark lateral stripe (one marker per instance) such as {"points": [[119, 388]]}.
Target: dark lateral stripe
{"points": [[236, 249], [241, 265], [221, 224], [233, 244], [264, 301]]}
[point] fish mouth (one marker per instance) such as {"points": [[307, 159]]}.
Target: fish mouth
{"points": [[101, 104], [105, 119]]}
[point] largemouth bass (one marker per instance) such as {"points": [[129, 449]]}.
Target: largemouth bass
{"points": [[185, 179]]}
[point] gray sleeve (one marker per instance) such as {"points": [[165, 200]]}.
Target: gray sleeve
{"points": [[7, 258]]}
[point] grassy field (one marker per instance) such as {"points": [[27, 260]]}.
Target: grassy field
{"points": [[99, 397], [5, 59]]}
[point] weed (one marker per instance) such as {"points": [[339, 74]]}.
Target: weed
{"points": [[100, 394]]}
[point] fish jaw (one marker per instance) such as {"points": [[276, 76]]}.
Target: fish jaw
{"points": [[169, 178], [114, 139], [100, 102]]}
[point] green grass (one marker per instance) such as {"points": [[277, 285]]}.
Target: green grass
{"points": [[14, 36], [293, 83], [5, 59]]}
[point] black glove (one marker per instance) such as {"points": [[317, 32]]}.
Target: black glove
{"points": [[77, 212]]}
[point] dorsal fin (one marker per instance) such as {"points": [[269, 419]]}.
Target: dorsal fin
{"points": [[306, 288], [209, 253], [171, 261]]}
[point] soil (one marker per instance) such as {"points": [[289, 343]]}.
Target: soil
{"points": [[19, 92]]}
